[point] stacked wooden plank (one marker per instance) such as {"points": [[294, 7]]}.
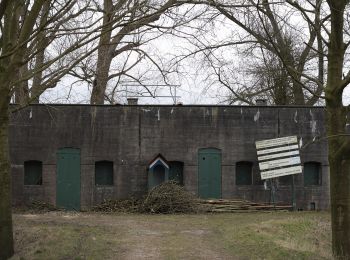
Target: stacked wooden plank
{"points": [[238, 205]]}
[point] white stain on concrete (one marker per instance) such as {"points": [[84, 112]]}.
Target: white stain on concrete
{"points": [[158, 114], [146, 110], [257, 116], [214, 112], [296, 116], [301, 142], [31, 113], [17, 166], [313, 124]]}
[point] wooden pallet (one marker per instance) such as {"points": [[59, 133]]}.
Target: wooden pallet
{"points": [[238, 205]]}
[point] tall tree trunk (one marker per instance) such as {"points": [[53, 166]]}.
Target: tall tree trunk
{"points": [[104, 58], [22, 94], [101, 78], [340, 201], [6, 237], [339, 158], [7, 73], [339, 182], [22, 88], [299, 98], [43, 42]]}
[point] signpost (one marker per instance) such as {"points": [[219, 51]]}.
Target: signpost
{"points": [[279, 157]]}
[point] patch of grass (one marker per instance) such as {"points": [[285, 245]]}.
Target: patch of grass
{"points": [[61, 235], [278, 236], [50, 240]]}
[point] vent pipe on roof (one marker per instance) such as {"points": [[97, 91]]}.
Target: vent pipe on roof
{"points": [[132, 101], [261, 102]]}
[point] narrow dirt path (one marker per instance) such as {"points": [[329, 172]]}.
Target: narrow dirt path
{"points": [[121, 236]]}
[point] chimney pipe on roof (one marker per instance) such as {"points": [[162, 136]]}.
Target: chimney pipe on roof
{"points": [[261, 102], [132, 101]]}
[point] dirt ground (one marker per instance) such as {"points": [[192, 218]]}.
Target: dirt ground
{"points": [[62, 235]]}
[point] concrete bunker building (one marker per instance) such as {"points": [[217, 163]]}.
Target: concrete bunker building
{"points": [[76, 156]]}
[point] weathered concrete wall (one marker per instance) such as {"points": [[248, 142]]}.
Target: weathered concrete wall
{"points": [[131, 136]]}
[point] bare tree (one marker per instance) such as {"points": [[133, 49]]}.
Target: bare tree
{"points": [[127, 26], [267, 76], [26, 28], [339, 139], [273, 80], [64, 28], [262, 32]]}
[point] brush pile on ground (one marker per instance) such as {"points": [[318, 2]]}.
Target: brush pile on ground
{"points": [[121, 205], [168, 198], [35, 207]]}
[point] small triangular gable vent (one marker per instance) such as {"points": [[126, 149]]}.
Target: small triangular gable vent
{"points": [[158, 160]]}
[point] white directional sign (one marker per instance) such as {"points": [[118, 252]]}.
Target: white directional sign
{"points": [[278, 157]]}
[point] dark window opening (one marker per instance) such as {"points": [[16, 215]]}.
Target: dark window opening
{"points": [[104, 173], [33, 171], [312, 173], [244, 173], [176, 172], [312, 206]]}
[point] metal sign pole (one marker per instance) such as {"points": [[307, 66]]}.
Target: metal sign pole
{"points": [[273, 187], [293, 194], [271, 197], [279, 157]]}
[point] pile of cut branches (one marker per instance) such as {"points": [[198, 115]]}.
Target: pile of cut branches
{"points": [[169, 198], [42, 206], [35, 207], [120, 205]]}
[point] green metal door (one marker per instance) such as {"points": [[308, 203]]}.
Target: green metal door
{"points": [[209, 173], [68, 179]]}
